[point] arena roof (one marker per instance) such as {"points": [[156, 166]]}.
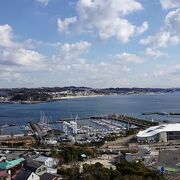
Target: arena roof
{"points": [[159, 129]]}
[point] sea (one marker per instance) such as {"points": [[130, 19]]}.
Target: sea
{"points": [[132, 105]]}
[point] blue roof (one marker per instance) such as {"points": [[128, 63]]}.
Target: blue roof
{"points": [[11, 164]]}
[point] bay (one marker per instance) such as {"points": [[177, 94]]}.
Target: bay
{"points": [[133, 105]]}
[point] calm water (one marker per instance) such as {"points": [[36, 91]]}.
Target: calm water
{"points": [[129, 104]]}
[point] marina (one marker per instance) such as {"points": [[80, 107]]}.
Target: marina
{"points": [[78, 129]]}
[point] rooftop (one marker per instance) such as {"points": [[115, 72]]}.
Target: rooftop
{"points": [[11, 164], [159, 129], [43, 158], [48, 176], [32, 165], [23, 175]]}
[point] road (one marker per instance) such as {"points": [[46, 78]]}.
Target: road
{"points": [[118, 142], [24, 149]]}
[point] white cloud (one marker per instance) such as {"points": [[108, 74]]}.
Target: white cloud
{"points": [[63, 25], [128, 58], [169, 4], [154, 53], [94, 74], [6, 36], [161, 39], [31, 43], [44, 2], [172, 21], [169, 33], [168, 71], [71, 52], [9, 76], [21, 57], [143, 28], [13, 53], [105, 18]]}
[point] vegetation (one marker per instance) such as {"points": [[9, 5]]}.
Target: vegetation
{"points": [[73, 153], [72, 173], [124, 171], [132, 151], [43, 93], [131, 131], [30, 97], [13, 144], [137, 170]]}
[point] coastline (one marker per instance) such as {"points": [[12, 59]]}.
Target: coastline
{"points": [[78, 97], [59, 99]]}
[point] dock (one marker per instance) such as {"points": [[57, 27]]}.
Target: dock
{"points": [[141, 123]]}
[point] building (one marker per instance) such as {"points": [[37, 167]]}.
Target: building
{"points": [[48, 176], [26, 175], [36, 167], [170, 159], [12, 166], [51, 163], [4, 175], [160, 133]]}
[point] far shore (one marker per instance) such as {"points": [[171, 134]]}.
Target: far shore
{"points": [[73, 97], [58, 99]]}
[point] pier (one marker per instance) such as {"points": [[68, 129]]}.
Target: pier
{"points": [[141, 123]]}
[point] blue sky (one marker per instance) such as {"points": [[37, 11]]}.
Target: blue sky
{"points": [[95, 43]]}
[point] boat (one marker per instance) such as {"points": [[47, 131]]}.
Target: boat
{"points": [[44, 123]]}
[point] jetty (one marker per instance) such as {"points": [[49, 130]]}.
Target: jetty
{"points": [[141, 123]]}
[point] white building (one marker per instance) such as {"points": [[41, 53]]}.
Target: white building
{"points": [[161, 133], [50, 163]]}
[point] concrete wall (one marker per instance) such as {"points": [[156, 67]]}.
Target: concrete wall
{"points": [[169, 158], [163, 137]]}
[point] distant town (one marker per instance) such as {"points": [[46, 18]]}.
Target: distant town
{"points": [[45, 94]]}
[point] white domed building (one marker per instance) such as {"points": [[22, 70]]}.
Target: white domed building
{"points": [[160, 133]]}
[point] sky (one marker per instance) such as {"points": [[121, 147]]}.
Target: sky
{"points": [[93, 43]]}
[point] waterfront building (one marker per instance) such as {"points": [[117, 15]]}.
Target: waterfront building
{"points": [[160, 133]]}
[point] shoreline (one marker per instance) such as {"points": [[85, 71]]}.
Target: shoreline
{"points": [[77, 97], [53, 100]]}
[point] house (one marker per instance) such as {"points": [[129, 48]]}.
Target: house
{"points": [[4, 175], [49, 176], [36, 167], [6, 165], [127, 157], [51, 163], [26, 175], [12, 166]]}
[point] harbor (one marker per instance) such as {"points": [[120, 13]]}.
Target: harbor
{"points": [[77, 130]]}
